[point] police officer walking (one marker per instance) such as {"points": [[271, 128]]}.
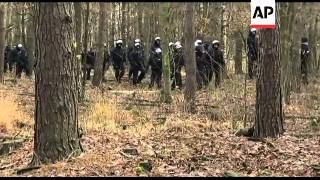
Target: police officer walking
{"points": [[118, 59], [252, 51], [155, 61], [136, 59], [305, 53], [176, 64]]}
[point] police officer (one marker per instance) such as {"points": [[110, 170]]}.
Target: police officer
{"points": [[219, 63], [106, 61], [136, 60], [208, 62], [7, 64], [176, 63], [131, 68], [252, 51], [155, 61], [201, 69], [19, 56], [305, 54], [90, 61], [171, 49], [118, 59]]}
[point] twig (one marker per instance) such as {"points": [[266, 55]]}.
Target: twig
{"points": [[16, 135], [26, 169], [7, 166], [125, 155], [261, 140], [302, 117], [245, 84], [73, 152], [26, 94], [304, 135]]}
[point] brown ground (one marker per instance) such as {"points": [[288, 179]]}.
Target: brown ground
{"points": [[175, 143]]}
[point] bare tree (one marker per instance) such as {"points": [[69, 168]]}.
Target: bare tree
{"points": [[269, 113], [190, 89], [85, 49], [56, 111], [30, 37], [166, 88], [17, 25], [9, 24], [123, 18], [78, 25], [23, 28], [2, 39], [238, 53], [97, 78]]}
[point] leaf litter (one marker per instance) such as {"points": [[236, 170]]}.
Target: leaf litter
{"points": [[182, 145]]}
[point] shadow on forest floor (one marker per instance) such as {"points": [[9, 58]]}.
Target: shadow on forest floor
{"points": [[129, 133]]}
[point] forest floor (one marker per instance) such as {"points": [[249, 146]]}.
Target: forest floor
{"points": [[127, 132]]}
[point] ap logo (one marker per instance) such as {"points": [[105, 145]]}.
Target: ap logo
{"points": [[263, 14]]}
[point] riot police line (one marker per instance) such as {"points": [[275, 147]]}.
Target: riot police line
{"points": [[208, 55]]}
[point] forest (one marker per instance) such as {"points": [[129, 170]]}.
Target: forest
{"points": [[158, 89]]}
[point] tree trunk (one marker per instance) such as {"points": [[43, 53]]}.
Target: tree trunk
{"points": [[224, 38], [113, 25], [85, 49], [78, 25], [238, 53], [9, 23], [190, 90], [317, 47], [147, 29], [196, 17], [123, 30], [135, 24], [287, 62], [119, 21], [2, 40], [30, 44], [164, 22], [97, 78], [269, 114], [166, 91], [157, 19], [292, 15], [128, 24], [56, 114], [23, 33], [313, 45], [214, 22], [17, 30], [296, 47], [140, 26], [284, 33]]}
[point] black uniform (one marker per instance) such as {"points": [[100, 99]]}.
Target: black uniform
{"points": [[19, 57], [90, 61], [106, 63], [155, 61], [131, 67], [252, 52], [218, 65], [305, 53], [171, 50], [208, 63], [136, 59], [118, 59], [176, 64], [201, 67], [7, 63]]}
